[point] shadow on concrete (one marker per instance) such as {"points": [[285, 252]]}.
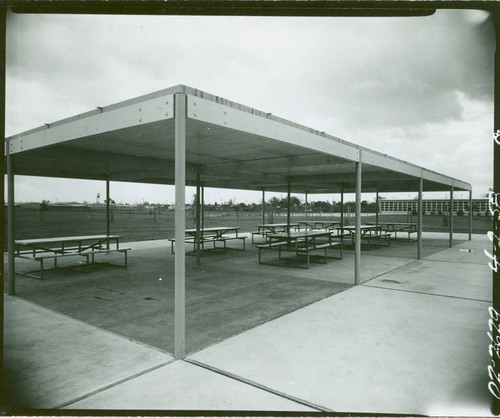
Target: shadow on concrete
{"points": [[227, 294], [222, 298]]}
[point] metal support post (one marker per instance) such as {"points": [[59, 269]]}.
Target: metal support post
{"points": [[10, 222], [470, 215], [450, 223], [180, 221], [107, 212], [376, 209], [342, 213], [263, 207], [357, 248], [288, 208], [202, 206], [306, 213], [198, 213], [420, 217], [342, 207]]}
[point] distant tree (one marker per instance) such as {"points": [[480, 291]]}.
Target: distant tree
{"points": [[321, 206], [283, 202], [43, 207], [274, 202], [295, 203]]}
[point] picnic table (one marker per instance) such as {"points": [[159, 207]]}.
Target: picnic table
{"points": [[409, 227], [320, 224], [212, 235], [266, 229], [40, 249], [302, 243], [369, 233]]}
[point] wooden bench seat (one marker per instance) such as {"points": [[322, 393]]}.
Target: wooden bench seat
{"points": [[42, 256], [232, 238], [301, 248], [204, 240], [275, 245], [403, 229], [307, 250], [253, 233], [380, 238], [191, 241], [124, 251], [324, 246]]}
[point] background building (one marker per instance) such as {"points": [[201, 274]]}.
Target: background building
{"points": [[433, 206]]}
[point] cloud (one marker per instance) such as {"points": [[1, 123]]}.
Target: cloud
{"points": [[398, 85]]}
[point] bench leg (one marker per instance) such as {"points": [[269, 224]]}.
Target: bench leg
{"points": [[41, 269], [126, 261], [172, 246], [307, 259], [259, 255], [55, 262]]}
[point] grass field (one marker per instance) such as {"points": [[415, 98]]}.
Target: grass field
{"points": [[142, 224]]}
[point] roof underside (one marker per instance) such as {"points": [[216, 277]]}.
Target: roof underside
{"points": [[231, 145]]}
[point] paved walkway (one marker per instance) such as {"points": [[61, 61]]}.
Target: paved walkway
{"points": [[411, 340]]}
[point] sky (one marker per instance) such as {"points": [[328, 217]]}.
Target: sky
{"points": [[419, 89]]}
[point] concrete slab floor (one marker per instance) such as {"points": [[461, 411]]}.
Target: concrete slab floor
{"points": [[222, 299], [339, 271], [399, 253], [367, 334], [228, 294], [51, 359], [183, 386], [471, 252], [408, 249], [370, 350], [461, 280]]}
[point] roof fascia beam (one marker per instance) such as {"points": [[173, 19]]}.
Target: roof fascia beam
{"points": [[94, 123], [102, 163], [348, 177], [279, 163], [268, 127]]}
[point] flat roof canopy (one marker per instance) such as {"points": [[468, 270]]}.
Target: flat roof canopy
{"points": [[231, 145]]}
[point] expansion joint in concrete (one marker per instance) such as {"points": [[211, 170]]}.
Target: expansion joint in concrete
{"points": [[426, 293], [111, 385], [259, 386]]}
